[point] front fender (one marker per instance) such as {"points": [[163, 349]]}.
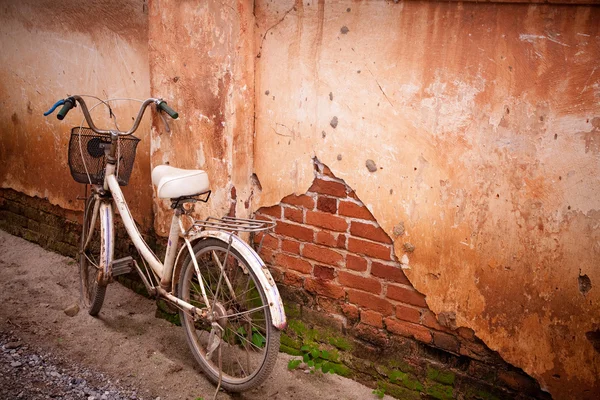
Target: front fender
{"points": [[255, 263]]}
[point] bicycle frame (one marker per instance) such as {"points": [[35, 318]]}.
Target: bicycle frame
{"points": [[165, 271]]}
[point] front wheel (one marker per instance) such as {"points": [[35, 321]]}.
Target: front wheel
{"points": [[241, 340], [95, 252]]}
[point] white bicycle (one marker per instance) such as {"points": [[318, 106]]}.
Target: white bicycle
{"points": [[228, 302]]}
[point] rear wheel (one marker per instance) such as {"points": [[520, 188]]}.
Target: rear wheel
{"points": [[93, 255], [241, 340]]}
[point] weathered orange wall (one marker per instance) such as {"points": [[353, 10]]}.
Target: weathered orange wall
{"points": [[201, 56], [50, 50], [483, 122]]}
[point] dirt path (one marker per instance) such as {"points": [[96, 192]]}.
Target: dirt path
{"points": [[126, 343]]}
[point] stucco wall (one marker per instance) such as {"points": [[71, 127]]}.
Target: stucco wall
{"points": [[53, 49], [482, 121], [201, 57]]}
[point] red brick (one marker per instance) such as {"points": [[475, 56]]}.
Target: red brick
{"points": [[370, 249], [324, 288], [322, 254], [356, 263], [326, 239], [274, 211], [300, 201], [296, 231], [323, 272], [327, 172], [276, 273], [370, 301], [353, 210], [293, 279], [293, 214], [269, 241], [327, 204], [341, 241], [407, 329], [267, 255], [447, 342], [350, 311], [290, 246], [289, 262], [406, 295], [329, 305], [369, 231], [407, 313], [327, 221], [391, 273], [372, 318], [429, 320], [358, 282], [336, 189]]}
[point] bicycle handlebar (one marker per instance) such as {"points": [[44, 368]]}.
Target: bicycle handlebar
{"points": [[72, 101]]}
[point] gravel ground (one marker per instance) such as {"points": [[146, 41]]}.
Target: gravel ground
{"points": [[29, 373]]}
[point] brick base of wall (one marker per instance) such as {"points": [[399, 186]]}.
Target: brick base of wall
{"points": [[346, 293]]}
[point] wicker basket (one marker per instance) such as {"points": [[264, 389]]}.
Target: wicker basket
{"points": [[87, 157]]}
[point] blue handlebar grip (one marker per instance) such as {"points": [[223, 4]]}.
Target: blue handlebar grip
{"points": [[51, 110]]}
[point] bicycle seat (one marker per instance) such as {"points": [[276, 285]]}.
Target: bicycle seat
{"points": [[174, 182]]}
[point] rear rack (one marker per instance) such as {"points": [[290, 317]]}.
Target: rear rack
{"points": [[232, 224]]}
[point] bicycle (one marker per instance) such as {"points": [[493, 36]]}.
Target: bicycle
{"points": [[228, 302]]}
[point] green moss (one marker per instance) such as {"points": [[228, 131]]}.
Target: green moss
{"points": [[292, 310], [398, 391], [439, 391], [445, 377], [297, 327], [340, 342], [406, 380], [163, 311], [290, 350], [340, 369], [289, 342], [401, 365]]}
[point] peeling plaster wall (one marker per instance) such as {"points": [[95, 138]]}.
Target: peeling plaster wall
{"points": [[483, 125], [201, 61], [50, 50]]}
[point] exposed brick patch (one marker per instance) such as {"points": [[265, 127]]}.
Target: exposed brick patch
{"points": [[295, 263], [331, 188], [429, 320], [369, 231], [293, 214], [268, 241], [390, 273], [323, 272], [324, 288], [293, 279], [353, 210], [295, 231], [370, 301], [326, 239], [447, 342], [290, 246], [274, 211], [370, 249], [359, 282], [327, 204], [350, 311], [406, 295], [356, 263], [408, 314], [326, 220], [300, 201], [341, 241], [407, 329], [371, 318], [322, 254]]}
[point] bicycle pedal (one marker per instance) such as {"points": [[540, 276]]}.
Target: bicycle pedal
{"points": [[122, 266]]}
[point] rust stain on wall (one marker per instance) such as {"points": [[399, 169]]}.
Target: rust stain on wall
{"points": [[49, 51], [200, 59], [481, 122]]}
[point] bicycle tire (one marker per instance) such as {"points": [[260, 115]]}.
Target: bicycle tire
{"points": [[255, 333], [91, 293]]}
